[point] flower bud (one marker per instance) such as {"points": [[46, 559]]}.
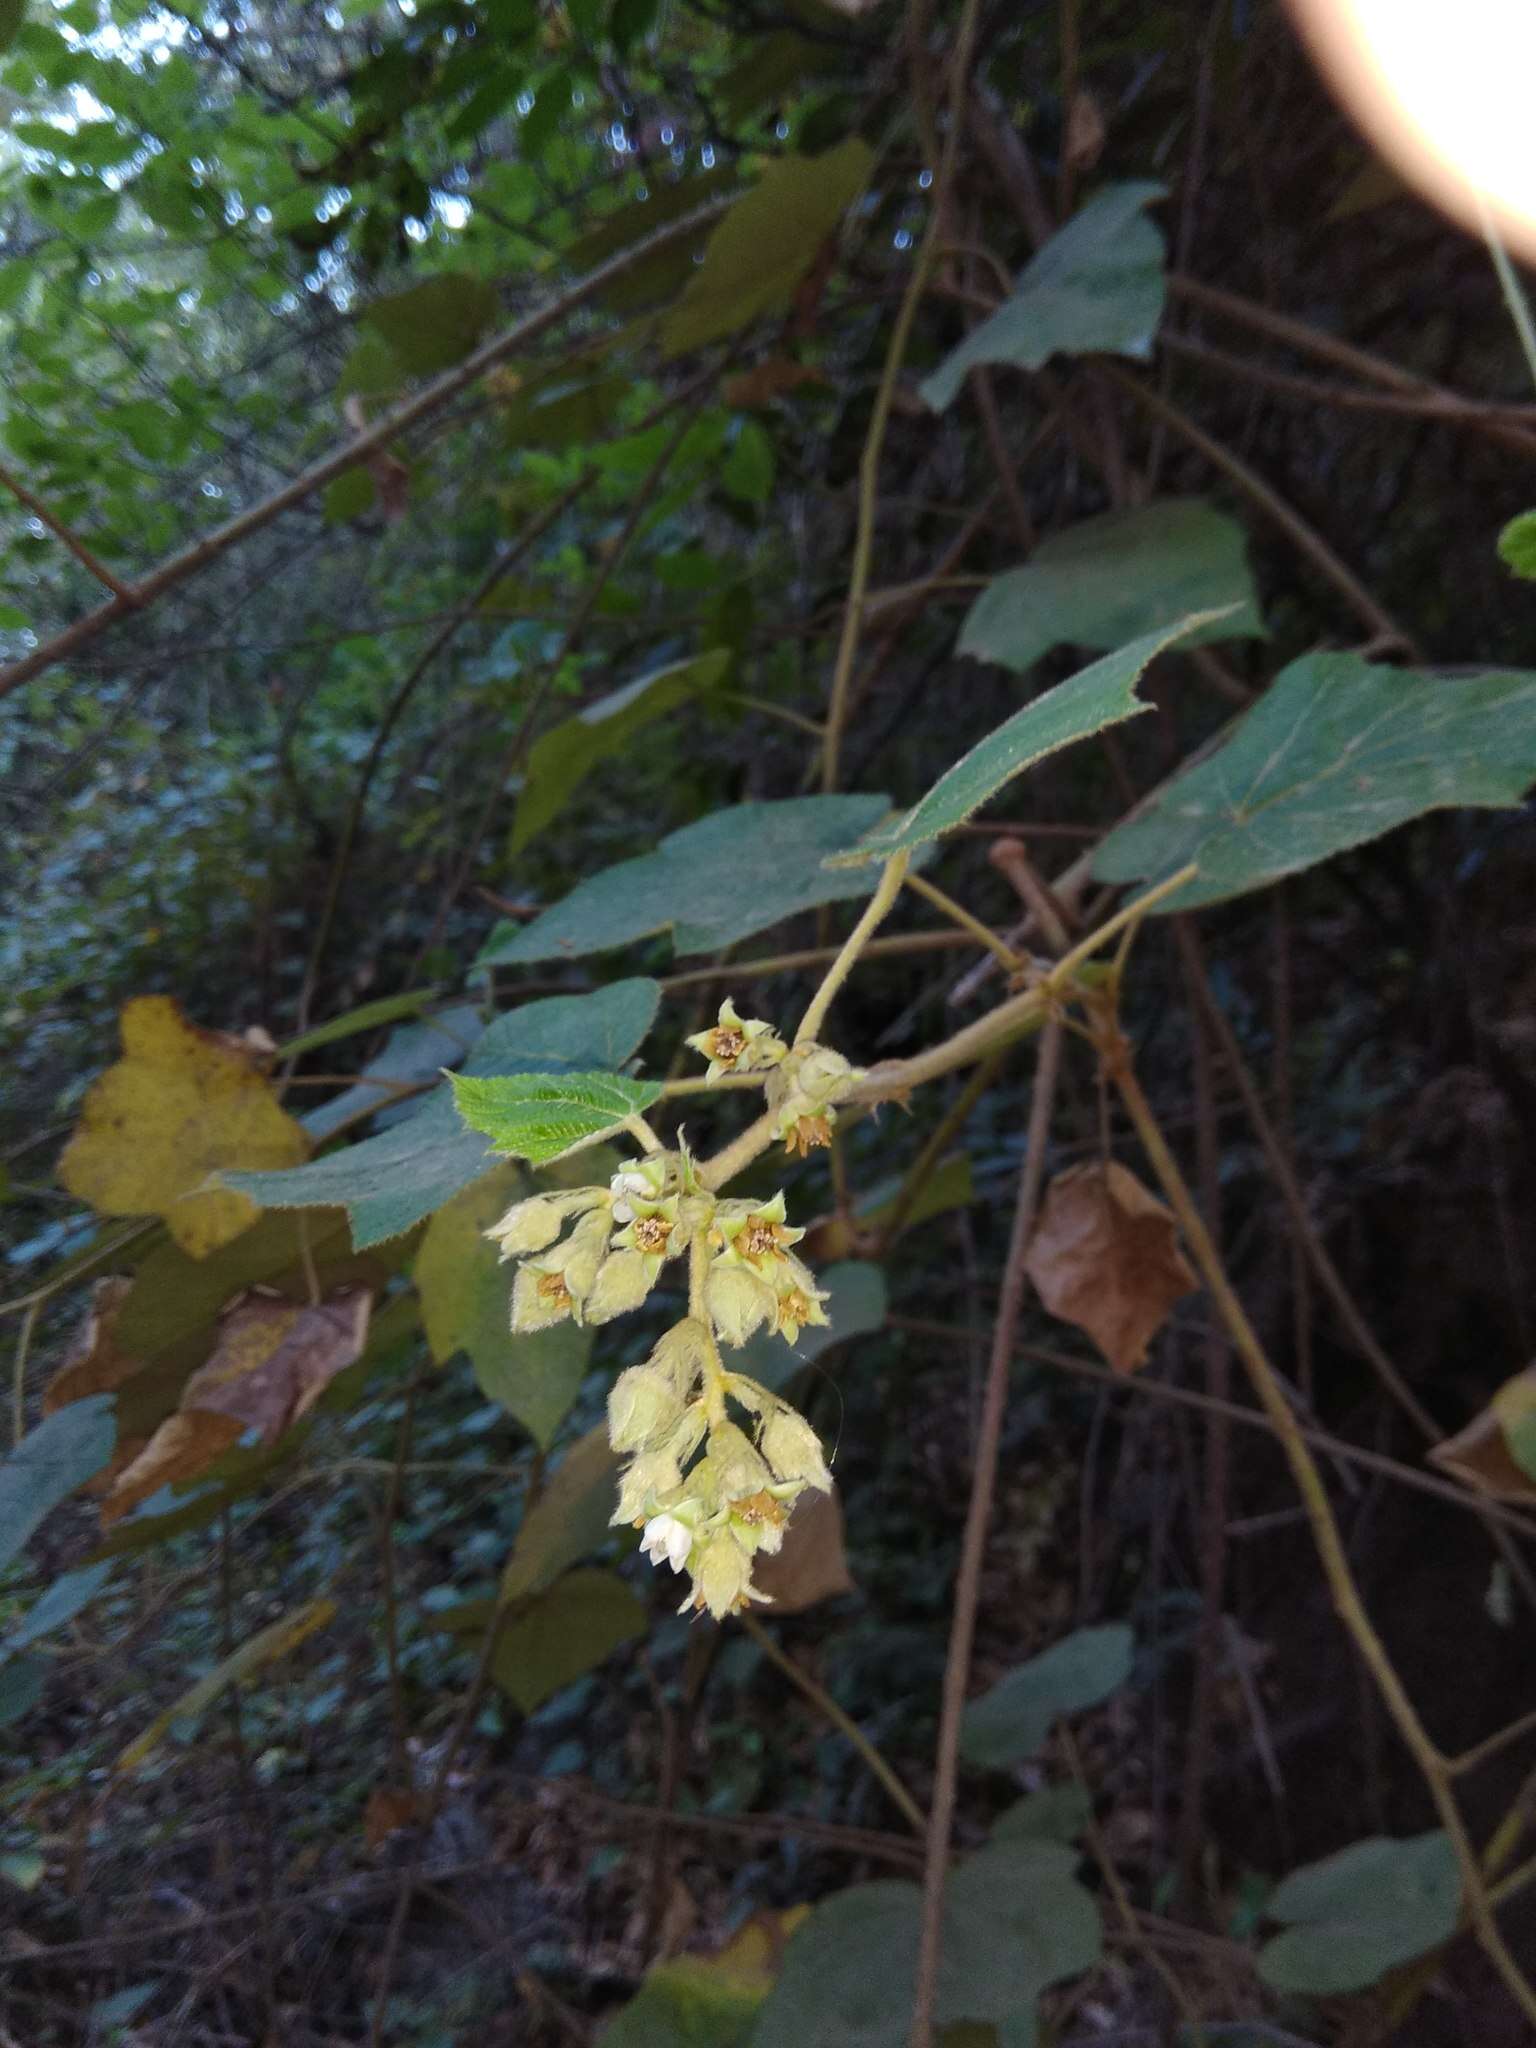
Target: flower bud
{"points": [[540, 1297], [528, 1226], [722, 1576], [642, 1409], [582, 1254], [682, 1353], [622, 1283], [738, 1301], [793, 1449], [735, 1471], [643, 1482]]}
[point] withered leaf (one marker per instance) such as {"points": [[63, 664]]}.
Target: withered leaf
{"points": [[273, 1360], [1106, 1257], [389, 1809], [1496, 1452], [179, 1105], [774, 377], [812, 1564], [94, 1362]]}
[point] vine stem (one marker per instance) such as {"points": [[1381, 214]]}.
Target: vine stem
{"points": [[973, 1545], [1347, 1602], [886, 891], [959, 915], [874, 440], [823, 1701]]}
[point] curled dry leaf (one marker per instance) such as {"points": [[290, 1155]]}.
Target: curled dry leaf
{"points": [[1106, 1257], [96, 1363], [1496, 1452], [389, 1809], [812, 1565], [273, 1360], [177, 1107]]}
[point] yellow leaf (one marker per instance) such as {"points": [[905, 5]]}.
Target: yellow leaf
{"points": [[178, 1106]]}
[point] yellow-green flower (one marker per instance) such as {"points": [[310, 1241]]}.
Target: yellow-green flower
{"points": [[737, 1045]]}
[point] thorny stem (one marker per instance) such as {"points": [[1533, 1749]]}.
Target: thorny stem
{"points": [[886, 892], [973, 1545], [1347, 1602], [821, 1699]]}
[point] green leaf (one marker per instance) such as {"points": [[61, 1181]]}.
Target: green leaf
{"points": [[686, 2003], [1011, 1722], [10, 21], [747, 472], [1100, 695], [539, 1118], [1015, 1921], [563, 1633], [261, 1649], [564, 757], [436, 323], [1517, 545], [855, 1305], [730, 875], [367, 1017], [465, 1296], [62, 1601], [569, 1519], [1096, 286], [66, 1448], [415, 1052], [390, 1182], [1359, 1913], [348, 496], [1108, 580], [766, 243], [1056, 1813], [1336, 752], [21, 1687]]}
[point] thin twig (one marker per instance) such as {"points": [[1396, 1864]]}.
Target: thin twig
{"points": [[824, 1703], [973, 1543], [71, 540]]}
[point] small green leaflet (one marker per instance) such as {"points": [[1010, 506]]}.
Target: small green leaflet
{"points": [[564, 757], [1359, 1913], [1336, 752], [766, 244], [390, 1182], [1102, 694], [1010, 1723], [1517, 546], [66, 1448], [1096, 286], [539, 1118], [1106, 580], [732, 874]]}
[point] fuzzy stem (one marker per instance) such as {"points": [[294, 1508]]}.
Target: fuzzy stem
{"points": [[886, 892]]}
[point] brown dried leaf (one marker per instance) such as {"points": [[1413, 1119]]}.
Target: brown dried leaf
{"points": [[812, 1564], [390, 1808], [1480, 1455], [1083, 143], [1106, 1257], [273, 1360], [94, 1364], [774, 377], [182, 1448]]}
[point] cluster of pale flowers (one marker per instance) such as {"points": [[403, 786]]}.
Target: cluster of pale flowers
{"points": [[707, 1492]]}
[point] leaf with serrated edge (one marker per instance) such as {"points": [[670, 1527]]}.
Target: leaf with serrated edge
{"points": [[390, 1182], [1102, 694], [1336, 752], [540, 1118], [1095, 287]]}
